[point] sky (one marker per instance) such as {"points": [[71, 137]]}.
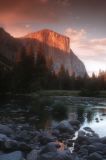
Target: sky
{"points": [[84, 21]]}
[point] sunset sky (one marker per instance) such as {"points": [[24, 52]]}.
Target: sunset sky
{"points": [[84, 21]]}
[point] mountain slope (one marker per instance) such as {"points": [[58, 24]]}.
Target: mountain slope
{"points": [[58, 47], [52, 44], [9, 46]]}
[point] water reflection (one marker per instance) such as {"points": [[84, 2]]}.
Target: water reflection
{"points": [[81, 114], [43, 116], [96, 119], [89, 116]]}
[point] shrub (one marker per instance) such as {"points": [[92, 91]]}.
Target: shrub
{"points": [[59, 110], [89, 93]]}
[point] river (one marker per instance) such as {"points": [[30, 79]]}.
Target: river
{"points": [[91, 113]]}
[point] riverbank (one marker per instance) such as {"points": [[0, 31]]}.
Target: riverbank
{"points": [[25, 142], [37, 135], [75, 93]]}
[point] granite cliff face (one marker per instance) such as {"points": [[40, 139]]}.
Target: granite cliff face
{"points": [[51, 39], [57, 47], [53, 46]]}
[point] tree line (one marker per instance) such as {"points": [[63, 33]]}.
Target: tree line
{"points": [[29, 75]]}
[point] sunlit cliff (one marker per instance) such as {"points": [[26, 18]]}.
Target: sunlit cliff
{"points": [[52, 44]]}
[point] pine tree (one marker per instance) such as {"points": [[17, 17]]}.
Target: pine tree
{"points": [[40, 70], [63, 78], [23, 72]]}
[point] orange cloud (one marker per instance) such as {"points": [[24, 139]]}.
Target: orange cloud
{"points": [[101, 41]]}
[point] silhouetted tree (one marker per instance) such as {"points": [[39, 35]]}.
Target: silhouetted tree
{"points": [[63, 78], [23, 72], [41, 70]]}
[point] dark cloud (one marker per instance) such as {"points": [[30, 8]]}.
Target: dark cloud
{"points": [[89, 14], [64, 2], [15, 15], [80, 12], [22, 16], [32, 10]]}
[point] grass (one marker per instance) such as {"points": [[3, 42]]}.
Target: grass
{"points": [[57, 93], [75, 93], [103, 94]]}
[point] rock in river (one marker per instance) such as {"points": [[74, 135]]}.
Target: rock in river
{"points": [[4, 129], [33, 155], [65, 126], [12, 156]]}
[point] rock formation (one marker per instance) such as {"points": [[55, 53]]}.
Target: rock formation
{"points": [[57, 47], [53, 46], [9, 46], [52, 39]]}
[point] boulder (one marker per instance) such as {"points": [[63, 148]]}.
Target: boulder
{"points": [[91, 149], [100, 147], [75, 156], [4, 129], [11, 145], [7, 144], [95, 156], [56, 132], [65, 126], [83, 151], [3, 137], [45, 138], [82, 139], [23, 136], [65, 155], [24, 147], [81, 133], [12, 156], [86, 138], [50, 147], [75, 124], [103, 140], [93, 139], [48, 156], [33, 155], [88, 129]]}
